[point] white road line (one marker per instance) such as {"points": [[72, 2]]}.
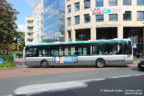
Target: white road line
{"points": [[115, 77], [89, 80], [50, 87], [9, 95], [61, 86]]}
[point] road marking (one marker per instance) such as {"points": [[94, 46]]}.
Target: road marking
{"points": [[50, 87], [115, 77], [9, 95], [89, 80], [61, 86]]}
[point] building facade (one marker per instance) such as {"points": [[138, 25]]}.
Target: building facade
{"points": [[81, 26], [29, 38], [54, 24], [34, 24], [37, 14]]}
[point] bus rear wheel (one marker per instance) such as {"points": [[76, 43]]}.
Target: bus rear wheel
{"points": [[100, 63], [44, 64]]}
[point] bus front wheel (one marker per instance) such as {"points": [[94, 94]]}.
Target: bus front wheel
{"points": [[44, 64], [100, 63]]}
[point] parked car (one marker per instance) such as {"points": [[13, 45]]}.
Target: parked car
{"points": [[141, 65]]}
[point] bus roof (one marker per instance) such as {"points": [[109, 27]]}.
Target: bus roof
{"points": [[79, 42]]}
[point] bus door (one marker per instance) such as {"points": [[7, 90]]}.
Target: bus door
{"points": [[114, 53], [128, 52], [83, 53]]}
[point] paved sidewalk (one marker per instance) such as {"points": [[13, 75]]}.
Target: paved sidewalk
{"points": [[19, 62]]}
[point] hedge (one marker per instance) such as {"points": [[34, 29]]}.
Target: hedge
{"points": [[8, 61]]}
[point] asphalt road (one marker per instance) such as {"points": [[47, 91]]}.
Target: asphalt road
{"points": [[124, 86], [8, 85]]}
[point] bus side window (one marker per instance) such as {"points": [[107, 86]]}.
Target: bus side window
{"points": [[66, 51], [80, 51], [85, 51], [94, 49], [73, 51], [52, 52], [61, 51], [40, 53], [56, 52]]}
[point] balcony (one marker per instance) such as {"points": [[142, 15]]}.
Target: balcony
{"points": [[30, 36], [29, 24]]}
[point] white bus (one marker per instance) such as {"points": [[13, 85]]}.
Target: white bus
{"points": [[99, 53]]}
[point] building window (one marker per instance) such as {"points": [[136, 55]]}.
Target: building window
{"points": [[69, 35], [86, 18], [112, 2], [69, 21], [113, 17], [30, 40], [77, 6], [99, 3], [127, 15], [140, 15], [77, 19], [86, 4], [126, 2], [99, 18], [140, 2], [69, 8]]}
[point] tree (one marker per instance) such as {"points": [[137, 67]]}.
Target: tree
{"points": [[7, 24], [20, 42]]}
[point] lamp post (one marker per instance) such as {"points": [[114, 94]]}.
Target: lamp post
{"points": [[15, 41]]}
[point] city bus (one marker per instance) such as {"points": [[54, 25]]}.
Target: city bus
{"points": [[99, 53]]}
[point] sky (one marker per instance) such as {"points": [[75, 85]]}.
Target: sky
{"points": [[24, 7]]}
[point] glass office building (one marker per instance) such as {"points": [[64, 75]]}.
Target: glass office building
{"points": [[54, 20]]}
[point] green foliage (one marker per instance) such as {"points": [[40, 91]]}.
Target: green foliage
{"points": [[16, 52], [8, 61], [19, 41], [7, 24]]}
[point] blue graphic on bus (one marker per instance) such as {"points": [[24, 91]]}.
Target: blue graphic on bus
{"points": [[65, 59], [1, 61]]}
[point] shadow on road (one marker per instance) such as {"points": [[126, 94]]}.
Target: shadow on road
{"points": [[135, 69], [82, 66]]}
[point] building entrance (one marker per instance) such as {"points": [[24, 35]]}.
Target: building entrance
{"points": [[136, 35]]}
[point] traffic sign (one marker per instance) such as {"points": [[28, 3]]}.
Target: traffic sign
{"points": [[1, 61]]}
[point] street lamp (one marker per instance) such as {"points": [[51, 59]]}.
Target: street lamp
{"points": [[15, 41]]}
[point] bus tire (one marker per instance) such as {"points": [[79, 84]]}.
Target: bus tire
{"points": [[100, 63], [44, 64]]}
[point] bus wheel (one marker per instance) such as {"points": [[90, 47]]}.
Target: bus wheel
{"points": [[100, 63], [44, 64]]}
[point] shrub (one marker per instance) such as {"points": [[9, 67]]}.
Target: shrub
{"points": [[8, 61]]}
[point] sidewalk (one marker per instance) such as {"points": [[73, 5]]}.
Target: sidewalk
{"points": [[19, 62]]}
